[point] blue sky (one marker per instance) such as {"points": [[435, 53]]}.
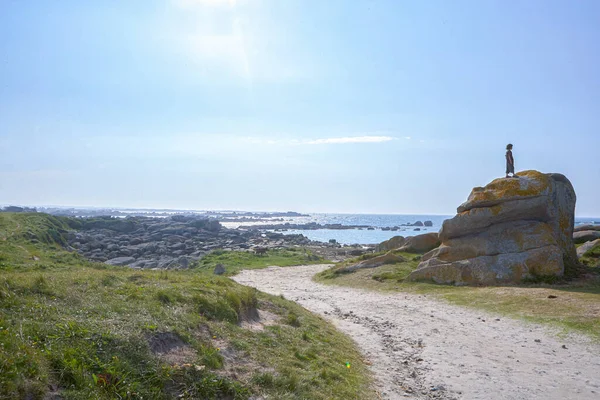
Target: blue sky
{"points": [[307, 105]]}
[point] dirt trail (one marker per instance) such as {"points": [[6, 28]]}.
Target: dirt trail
{"points": [[423, 348]]}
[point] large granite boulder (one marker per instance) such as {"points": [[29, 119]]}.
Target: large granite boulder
{"points": [[511, 229]]}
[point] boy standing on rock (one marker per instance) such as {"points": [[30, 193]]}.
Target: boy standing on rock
{"points": [[510, 162]]}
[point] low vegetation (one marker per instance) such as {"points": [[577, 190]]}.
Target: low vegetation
{"points": [[235, 261], [570, 305], [71, 329]]}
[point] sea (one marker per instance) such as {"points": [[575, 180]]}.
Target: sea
{"points": [[366, 236]]}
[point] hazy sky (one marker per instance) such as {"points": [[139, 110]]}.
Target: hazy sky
{"points": [[307, 105]]}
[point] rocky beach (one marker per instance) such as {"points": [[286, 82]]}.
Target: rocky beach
{"points": [[178, 241]]}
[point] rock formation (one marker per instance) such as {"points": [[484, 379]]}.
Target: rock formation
{"points": [[387, 258], [587, 227], [391, 244], [586, 236], [506, 231], [421, 243], [584, 248], [412, 244], [174, 242]]}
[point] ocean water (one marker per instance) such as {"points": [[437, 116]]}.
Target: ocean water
{"points": [[366, 236]]}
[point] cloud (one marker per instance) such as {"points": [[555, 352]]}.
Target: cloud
{"points": [[334, 140], [352, 139]]}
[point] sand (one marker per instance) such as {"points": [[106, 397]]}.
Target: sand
{"points": [[420, 347]]}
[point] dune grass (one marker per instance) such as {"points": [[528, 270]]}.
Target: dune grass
{"points": [[572, 306], [88, 330]]}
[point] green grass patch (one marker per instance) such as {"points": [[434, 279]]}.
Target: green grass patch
{"points": [[91, 331], [35, 241], [70, 330], [235, 261]]}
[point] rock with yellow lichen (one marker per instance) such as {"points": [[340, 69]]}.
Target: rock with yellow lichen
{"points": [[511, 229]]}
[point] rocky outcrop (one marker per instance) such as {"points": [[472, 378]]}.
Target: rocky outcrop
{"points": [[175, 242], [120, 261], [506, 231], [584, 248], [585, 236], [586, 227], [412, 244], [388, 258], [420, 243], [391, 244]]}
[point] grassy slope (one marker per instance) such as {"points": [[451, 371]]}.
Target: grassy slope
{"points": [[86, 330], [576, 306]]}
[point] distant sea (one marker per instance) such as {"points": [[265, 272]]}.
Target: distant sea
{"points": [[366, 236]]}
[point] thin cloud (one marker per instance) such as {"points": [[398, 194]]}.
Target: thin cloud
{"points": [[351, 139], [323, 141]]}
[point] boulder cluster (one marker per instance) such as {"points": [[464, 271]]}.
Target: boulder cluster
{"points": [[174, 242], [509, 230]]}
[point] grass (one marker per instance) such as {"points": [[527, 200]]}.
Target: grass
{"points": [[34, 240], [575, 307], [235, 261], [89, 330]]}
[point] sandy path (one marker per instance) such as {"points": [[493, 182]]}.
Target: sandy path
{"points": [[422, 348]]}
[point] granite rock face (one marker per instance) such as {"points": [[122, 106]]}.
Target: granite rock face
{"points": [[506, 231]]}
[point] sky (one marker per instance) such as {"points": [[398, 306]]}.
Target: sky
{"points": [[306, 105]]}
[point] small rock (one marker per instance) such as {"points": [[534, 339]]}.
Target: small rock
{"points": [[537, 341], [219, 269], [564, 346], [121, 261]]}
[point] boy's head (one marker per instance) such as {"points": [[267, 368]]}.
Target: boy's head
{"points": [[509, 146]]}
